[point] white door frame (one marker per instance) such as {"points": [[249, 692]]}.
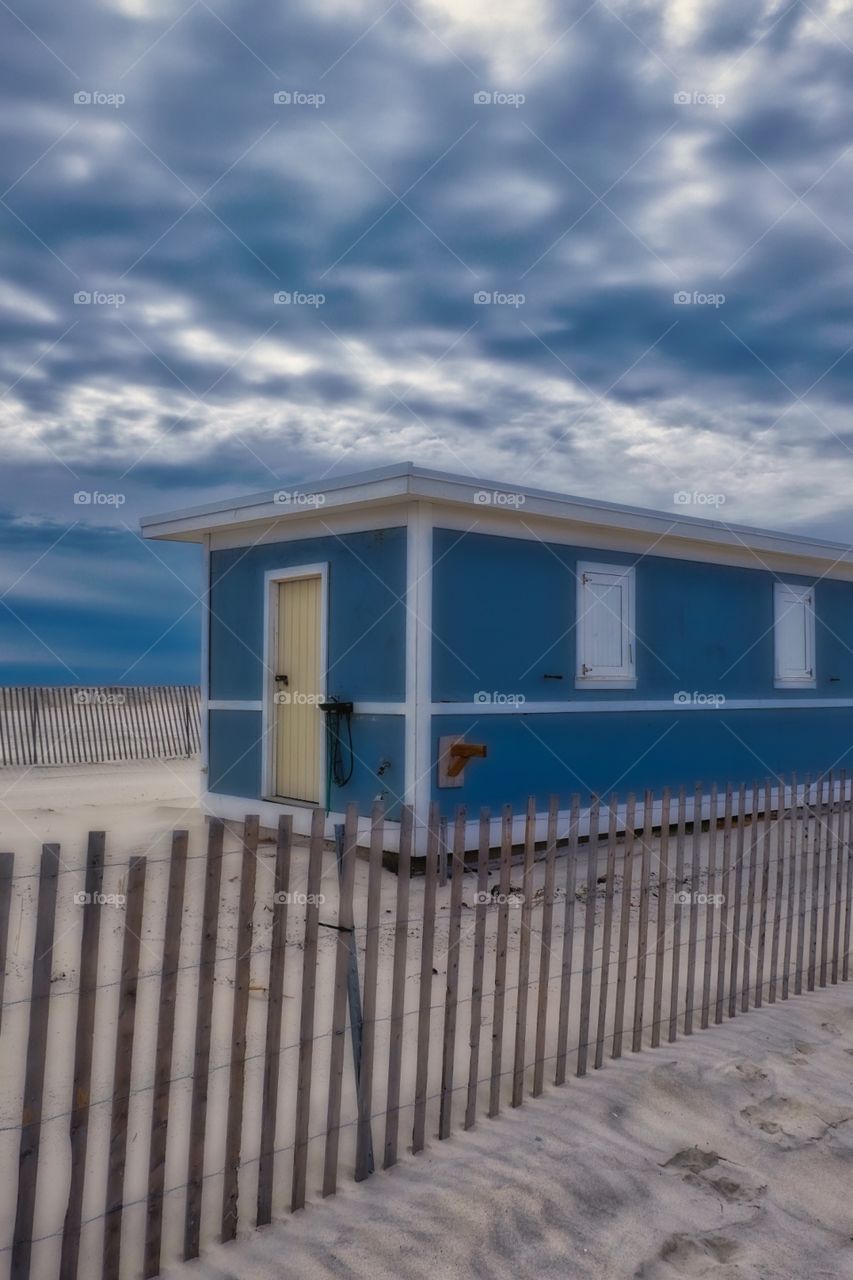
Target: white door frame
{"points": [[272, 578]]}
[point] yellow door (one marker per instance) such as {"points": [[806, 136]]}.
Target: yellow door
{"points": [[298, 690]]}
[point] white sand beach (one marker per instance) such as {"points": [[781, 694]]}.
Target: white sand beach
{"points": [[728, 1156]]}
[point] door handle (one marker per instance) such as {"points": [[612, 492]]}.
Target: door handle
{"points": [[281, 679]]}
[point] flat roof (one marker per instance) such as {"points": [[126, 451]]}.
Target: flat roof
{"points": [[406, 481]]}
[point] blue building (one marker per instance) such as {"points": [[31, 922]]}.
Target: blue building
{"points": [[416, 636]]}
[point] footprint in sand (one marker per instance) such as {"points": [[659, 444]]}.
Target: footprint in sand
{"points": [[791, 1122], [803, 1050], [686, 1255], [747, 1073], [713, 1172]]}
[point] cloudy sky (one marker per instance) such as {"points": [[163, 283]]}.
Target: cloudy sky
{"points": [[600, 246]]}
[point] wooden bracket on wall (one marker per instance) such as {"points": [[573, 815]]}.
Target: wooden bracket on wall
{"points": [[453, 755]]}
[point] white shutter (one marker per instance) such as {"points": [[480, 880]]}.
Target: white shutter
{"points": [[794, 635], [605, 627]]}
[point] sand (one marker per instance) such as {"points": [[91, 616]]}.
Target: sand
{"points": [[729, 1155], [134, 802], [597, 1179]]}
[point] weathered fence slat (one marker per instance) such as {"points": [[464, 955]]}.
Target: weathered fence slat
{"points": [[275, 1004], [499, 998], [306, 1013], [839, 876], [777, 896], [122, 1068], [829, 843], [725, 913], [545, 949], [7, 862], [765, 890], [803, 835], [711, 894], [791, 824], [642, 926], [523, 990], [398, 986], [163, 1052], [568, 944], [478, 967], [339, 1001], [676, 916], [660, 921], [239, 1019], [607, 930], [588, 933], [814, 903], [28, 1157], [693, 923], [848, 885], [425, 991], [364, 1136], [738, 871], [750, 905], [624, 926], [203, 1027], [451, 996]]}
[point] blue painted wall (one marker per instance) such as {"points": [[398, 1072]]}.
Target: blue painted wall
{"points": [[629, 751], [235, 765], [503, 619], [504, 614], [367, 619]]}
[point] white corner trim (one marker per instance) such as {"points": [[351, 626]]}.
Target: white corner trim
{"points": [[204, 728], [418, 665]]}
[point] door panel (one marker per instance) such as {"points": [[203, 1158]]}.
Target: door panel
{"points": [[298, 722]]}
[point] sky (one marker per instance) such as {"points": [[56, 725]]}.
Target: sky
{"points": [[604, 247]]}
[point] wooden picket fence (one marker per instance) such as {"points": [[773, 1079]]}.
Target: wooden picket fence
{"points": [[96, 724], [309, 1014]]}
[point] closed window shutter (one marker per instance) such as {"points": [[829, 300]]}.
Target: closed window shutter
{"points": [[794, 634], [605, 624]]}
